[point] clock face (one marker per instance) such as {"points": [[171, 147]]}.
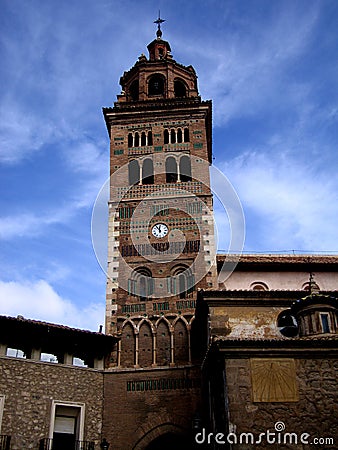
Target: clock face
{"points": [[160, 230]]}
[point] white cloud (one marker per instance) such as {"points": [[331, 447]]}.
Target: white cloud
{"points": [[30, 224], [245, 75], [21, 133], [296, 207], [38, 300]]}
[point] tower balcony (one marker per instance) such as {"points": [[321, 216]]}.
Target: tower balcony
{"points": [[141, 191]]}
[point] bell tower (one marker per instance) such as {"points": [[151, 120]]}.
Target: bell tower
{"points": [[161, 231]]}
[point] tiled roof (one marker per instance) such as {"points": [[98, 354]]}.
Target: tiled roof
{"points": [[279, 258], [21, 319]]}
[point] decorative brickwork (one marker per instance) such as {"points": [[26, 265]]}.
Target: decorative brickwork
{"points": [[160, 150]]}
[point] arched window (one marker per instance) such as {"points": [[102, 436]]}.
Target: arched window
{"points": [[171, 170], [156, 85], [183, 281], [166, 136], [136, 140], [259, 286], [180, 89], [181, 343], [186, 135], [130, 140], [150, 138], [134, 172], [185, 168], [133, 90], [147, 172], [172, 137], [163, 344], [179, 135], [144, 286], [145, 345], [287, 324], [310, 287], [143, 139], [128, 346], [182, 285]]}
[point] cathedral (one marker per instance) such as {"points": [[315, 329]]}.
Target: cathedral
{"points": [[200, 350]]}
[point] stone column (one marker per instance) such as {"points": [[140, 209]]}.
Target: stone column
{"points": [[172, 359], [119, 353], [36, 354], [99, 363], [3, 349], [154, 351], [68, 359], [189, 345], [136, 350]]}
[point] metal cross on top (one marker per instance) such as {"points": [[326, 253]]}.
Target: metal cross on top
{"points": [[159, 21]]}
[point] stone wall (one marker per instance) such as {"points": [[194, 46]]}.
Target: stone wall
{"points": [[30, 387], [315, 412]]}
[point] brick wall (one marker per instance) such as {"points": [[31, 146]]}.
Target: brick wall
{"points": [[137, 405]]}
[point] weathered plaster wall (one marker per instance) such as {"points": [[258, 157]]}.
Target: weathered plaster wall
{"points": [[280, 280], [243, 322]]}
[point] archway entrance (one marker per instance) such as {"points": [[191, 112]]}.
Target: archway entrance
{"points": [[169, 441]]}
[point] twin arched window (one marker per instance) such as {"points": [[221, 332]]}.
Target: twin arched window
{"points": [[141, 284], [182, 281], [141, 172], [178, 171]]}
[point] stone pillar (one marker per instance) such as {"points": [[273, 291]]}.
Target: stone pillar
{"points": [[141, 171], [136, 350], [189, 345], [172, 359], [68, 359], [119, 353], [36, 354], [178, 171], [99, 363], [154, 351], [3, 349]]}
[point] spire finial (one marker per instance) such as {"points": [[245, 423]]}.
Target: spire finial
{"points": [[159, 21]]}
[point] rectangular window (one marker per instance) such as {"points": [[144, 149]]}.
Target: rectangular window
{"points": [[325, 322], [67, 424]]}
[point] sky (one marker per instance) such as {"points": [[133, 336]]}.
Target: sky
{"points": [[271, 70]]}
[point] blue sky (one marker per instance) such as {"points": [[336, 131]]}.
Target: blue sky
{"points": [[270, 68]]}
